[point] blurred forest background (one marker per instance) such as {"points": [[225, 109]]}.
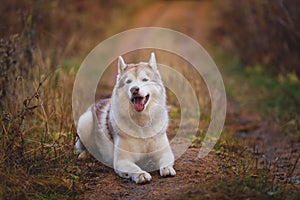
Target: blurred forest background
{"points": [[255, 43]]}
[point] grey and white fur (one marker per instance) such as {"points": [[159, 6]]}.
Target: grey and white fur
{"points": [[128, 131]]}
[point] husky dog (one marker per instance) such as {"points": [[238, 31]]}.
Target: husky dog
{"points": [[129, 129]]}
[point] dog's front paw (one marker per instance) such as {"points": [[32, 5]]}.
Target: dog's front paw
{"points": [[143, 177], [167, 171]]}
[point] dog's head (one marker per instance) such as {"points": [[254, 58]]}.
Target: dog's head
{"points": [[140, 84]]}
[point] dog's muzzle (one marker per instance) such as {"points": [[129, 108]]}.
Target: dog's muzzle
{"points": [[138, 100]]}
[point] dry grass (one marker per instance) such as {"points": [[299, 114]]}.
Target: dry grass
{"points": [[37, 131], [37, 128]]}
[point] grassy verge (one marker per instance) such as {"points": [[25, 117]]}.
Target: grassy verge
{"points": [[257, 89], [37, 131], [37, 74], [274, 97], [245, 176], [242, 175]]}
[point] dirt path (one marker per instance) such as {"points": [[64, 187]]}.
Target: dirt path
{"points": [[190, 173], [187, 17], [273, 148], [191, 18]]}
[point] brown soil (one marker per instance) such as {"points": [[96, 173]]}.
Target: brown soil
{"points": [[272, 147], [194, 176], [191, 173]]}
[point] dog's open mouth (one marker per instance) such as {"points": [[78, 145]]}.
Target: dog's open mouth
{"points": [[139, 102]]}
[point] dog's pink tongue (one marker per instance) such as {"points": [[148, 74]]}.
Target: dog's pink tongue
{"points": [[139, 104]]}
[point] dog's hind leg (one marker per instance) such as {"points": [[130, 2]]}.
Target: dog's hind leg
{"points": [[85, 125], [80, 149]]}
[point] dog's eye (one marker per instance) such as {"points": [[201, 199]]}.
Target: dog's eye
{"points": [[128, 81], [145, 79]]}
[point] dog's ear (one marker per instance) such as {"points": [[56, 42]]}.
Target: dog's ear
{"points": [[121, 65], [152, 61]]}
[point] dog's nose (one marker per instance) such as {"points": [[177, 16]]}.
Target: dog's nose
{"points": [[134, 90]]}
